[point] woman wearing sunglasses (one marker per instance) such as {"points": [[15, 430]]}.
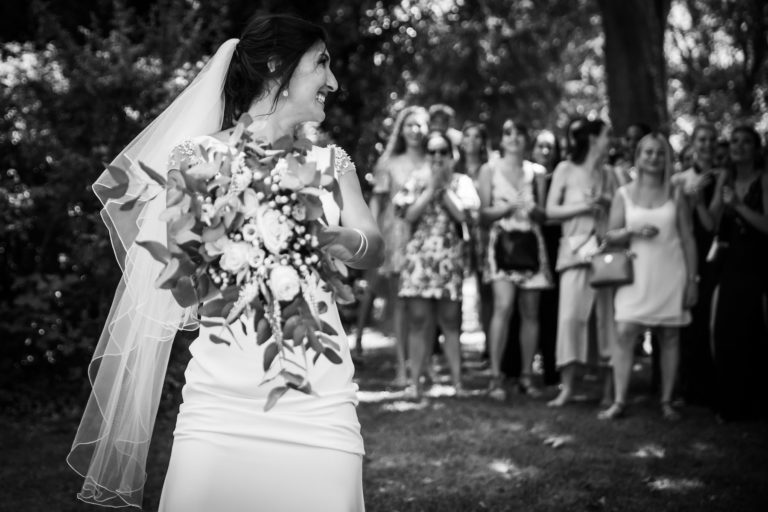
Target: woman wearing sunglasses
{"points": [[435, 203]]}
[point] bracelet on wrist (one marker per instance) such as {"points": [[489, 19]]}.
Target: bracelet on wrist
{"points": [[361, 249]]}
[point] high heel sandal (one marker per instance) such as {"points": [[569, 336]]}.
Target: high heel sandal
{"points": [[526, 387], [496, 391], [669, 413], [614, 412]]}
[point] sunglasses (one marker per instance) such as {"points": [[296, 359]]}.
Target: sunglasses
{"points": [[441, 152]]}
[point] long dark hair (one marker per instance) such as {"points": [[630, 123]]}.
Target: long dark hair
{"points": [[279, 39], [461, 166], [521, 128], [579, 132]]}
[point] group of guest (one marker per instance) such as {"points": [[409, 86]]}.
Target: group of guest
{"points": [[527, 226]]}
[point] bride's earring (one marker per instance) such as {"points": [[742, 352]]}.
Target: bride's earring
{"points": [[285, 93]]}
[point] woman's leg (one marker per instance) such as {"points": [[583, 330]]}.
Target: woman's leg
{"points": [[400, 323], [567, 377], [670, 359], [574, 307], [607, 335], [449, 320], [421, 332], [622, 360], [528, 304], [503, 299]]}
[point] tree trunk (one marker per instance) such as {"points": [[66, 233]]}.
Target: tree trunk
{"points": [[634, 61]]}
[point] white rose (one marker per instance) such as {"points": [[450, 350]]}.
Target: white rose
{"points": [[284, 282], [274, 232], [235, 257]]}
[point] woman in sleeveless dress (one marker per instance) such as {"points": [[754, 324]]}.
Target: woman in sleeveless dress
{"points": [[740, 300], [474, 152], [402, 158], [648, 217], [581, 190], [435, 204], [508, 204], [229, 455], [698, 187]]}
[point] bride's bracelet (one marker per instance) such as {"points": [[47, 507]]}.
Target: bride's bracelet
{"points": [[362, 249]]}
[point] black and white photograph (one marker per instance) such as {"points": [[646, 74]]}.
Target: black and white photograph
{"points": [[384, 255]]}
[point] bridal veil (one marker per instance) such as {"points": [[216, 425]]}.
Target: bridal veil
{"points": [[129, 363]]}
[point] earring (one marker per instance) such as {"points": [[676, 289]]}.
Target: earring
{"points": [[285, 93]]}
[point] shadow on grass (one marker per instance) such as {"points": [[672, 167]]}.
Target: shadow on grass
{"points": [[470, 454]]}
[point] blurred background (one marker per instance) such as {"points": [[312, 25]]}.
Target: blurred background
{"points": [[80, 80]]}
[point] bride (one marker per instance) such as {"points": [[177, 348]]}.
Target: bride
{"points": [[228, 454]]}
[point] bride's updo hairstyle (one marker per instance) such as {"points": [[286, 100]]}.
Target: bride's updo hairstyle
{"points": [[579, 133], [279, 39]]}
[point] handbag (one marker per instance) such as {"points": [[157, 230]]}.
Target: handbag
{"points": [[611, 268], [517, 251]]}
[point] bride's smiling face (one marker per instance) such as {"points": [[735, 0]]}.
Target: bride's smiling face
{"points": [[310, 84]]}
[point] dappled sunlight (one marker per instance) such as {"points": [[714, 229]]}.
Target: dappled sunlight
{"points": [[549, 437], [558, 441], [509, 470], [649, 451], [675, 484], [404, 405], [378, 396]]}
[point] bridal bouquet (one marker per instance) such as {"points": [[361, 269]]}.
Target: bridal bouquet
{"points": [[243, 222]]}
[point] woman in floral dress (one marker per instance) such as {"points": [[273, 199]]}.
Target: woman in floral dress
{"points": [[435, 203]]}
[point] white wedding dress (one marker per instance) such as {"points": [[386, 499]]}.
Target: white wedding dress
{"points": [[305, 454]]}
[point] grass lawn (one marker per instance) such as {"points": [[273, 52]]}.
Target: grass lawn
{"points": [[471, 454]]}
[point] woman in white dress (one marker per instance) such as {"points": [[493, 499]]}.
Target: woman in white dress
{"points": [[229, 454], [648, 217]]}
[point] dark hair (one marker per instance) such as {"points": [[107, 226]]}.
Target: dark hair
{"points": [[703, 126], [461, 167], [437, 134], [644, 128], [756, 139], [579, 132], [279, 39], [521, 128]]}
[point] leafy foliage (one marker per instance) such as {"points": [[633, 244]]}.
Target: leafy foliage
{"points": [[718, 61], [69, 105]]}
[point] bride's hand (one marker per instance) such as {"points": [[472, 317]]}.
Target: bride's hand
{"points": [[339, 242]]}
